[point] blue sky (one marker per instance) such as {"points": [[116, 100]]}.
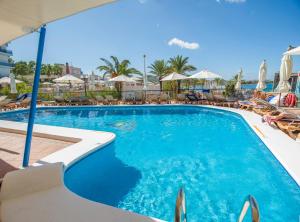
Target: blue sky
{"points": [[219, 35]]}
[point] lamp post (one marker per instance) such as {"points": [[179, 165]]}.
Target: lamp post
{"points": [[145, 78], [85, 79]]}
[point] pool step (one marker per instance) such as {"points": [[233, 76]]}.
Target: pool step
{"points": [[250, 202], [180, 208]]}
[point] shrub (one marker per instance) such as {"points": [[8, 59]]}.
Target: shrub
{"points": [[229, 89]]}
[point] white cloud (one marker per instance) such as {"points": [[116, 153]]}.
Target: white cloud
{"points": [[183, 44], [232, 1]]}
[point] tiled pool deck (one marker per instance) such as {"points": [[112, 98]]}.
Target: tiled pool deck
{"points": [[12, 148]]}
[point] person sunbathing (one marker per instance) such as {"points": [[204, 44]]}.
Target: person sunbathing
{"points": [[275, 116]]}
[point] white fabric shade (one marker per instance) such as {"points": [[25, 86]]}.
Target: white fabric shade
{"points": [[205, 74], [238, 84], [295, 51], [92, 82], [68, 79], [13, 87], [46, 83], [174, 76], [285, 73], [261, 85], [121, 78], [20, 17], [6, 81]]}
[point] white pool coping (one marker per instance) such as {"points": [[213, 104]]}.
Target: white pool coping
{"points": [[285, 149], [85, 142]]}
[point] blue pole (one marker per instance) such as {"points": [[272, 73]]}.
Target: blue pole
{"points": [[35, 89]]}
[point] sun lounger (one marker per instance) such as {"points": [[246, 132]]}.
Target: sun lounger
{"points": [[192, 98], [100, 100], [246, 104], [181, 98], [209, 99], [290, 128], [5, 103], [164, 98], [129, 99], [60, 100], [153, 98], [83, 100], [138, 99], [111, 100]]}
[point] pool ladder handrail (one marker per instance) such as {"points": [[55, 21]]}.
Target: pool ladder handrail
{"points": [[250, 202], [180, 206]]}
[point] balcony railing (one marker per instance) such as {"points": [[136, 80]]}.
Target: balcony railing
{"points": [[6, 64], [6, 51]]}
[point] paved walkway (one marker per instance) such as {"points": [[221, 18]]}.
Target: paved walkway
{"points": [[12, 147]]}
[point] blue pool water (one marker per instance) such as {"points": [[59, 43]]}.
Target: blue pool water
{"points": [[269, 87], [213, 154]]}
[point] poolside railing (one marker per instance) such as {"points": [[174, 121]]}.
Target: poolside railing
{"points": [[139, 94], [250, 202]]}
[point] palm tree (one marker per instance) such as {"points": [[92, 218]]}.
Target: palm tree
{"points": [[160, 69], [31, 67], [180, 65], [57, 69], [115, 67]]}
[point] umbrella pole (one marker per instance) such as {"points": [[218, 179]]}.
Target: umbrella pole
{"points": [[34, 96]]}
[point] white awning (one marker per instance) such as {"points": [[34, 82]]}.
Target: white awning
{"points": [[20, 17], [205, 74], [6, 80], [122, 78], [68, 79], [295, 51], [174, 76]]}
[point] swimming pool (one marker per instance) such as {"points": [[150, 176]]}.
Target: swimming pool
{"points": [[212, 153]]}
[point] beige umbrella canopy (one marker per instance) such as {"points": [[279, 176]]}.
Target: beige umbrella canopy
{"points": [[68, 79], [13, 86], [20, 17], [285, 73], [238, 84], [261, 85], [122, 78], [205, 74], [7, 80], [295, 51], [174, 76]]}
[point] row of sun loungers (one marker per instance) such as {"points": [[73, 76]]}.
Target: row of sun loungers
{"points": [[285, 119], [22, 101]]}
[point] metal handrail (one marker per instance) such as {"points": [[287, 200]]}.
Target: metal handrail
{"points": [[250, 202], [180, 207]]}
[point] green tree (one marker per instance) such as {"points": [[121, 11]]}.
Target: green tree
{"points": [[159, 68], [31, 67], [219, 81], [20, 69], [57, 70], [46, 70], [115, 68], [180, 64]]}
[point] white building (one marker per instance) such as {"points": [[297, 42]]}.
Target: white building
{"points": [[5, 66], [67, 69]]}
